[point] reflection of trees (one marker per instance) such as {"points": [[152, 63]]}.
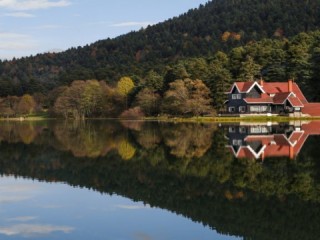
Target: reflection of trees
{"points": [[149, 137], [25, 132], [224, 207], [188, 140], [158, 142], [126, 150], [132, 124], [88, 139]]}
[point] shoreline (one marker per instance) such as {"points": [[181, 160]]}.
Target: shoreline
{"points": [[176, 119]]}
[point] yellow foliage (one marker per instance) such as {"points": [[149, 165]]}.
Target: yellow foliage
{"points": [[126, 150], [125, 85], [27, 133]]}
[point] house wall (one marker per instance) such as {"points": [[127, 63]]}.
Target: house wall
{"points": [[278, 109], [254, 93], [236, 103]]}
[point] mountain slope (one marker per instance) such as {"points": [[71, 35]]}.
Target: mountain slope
{"points": [[217, 25]]}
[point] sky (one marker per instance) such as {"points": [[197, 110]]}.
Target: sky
{"points": [[29, 27]]}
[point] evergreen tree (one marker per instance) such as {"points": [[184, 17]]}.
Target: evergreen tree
{"points": [[249, 70]]}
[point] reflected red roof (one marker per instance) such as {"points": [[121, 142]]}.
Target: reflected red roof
{"points": [[295, 137], [245, 153], [312, 128], [279, 145]]}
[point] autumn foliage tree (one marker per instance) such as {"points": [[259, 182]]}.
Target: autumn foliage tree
{"points": [[125, 85], [187, 97], [149, 101], [26, 105]]}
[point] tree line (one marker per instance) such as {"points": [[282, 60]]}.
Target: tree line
{"points": [[193, 86]]}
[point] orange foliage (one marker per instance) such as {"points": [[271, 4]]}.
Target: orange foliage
{"points": [[225, 36], [236, 36]]}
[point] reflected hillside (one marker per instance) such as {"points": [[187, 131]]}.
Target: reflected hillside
{"points": [[271, 199]]}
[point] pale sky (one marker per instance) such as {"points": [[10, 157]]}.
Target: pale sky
{"points": [[28, 27]]}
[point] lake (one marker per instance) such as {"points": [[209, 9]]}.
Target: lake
{"points": [[154, 180]]}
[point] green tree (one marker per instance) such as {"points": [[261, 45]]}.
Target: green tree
{"points": [[153, 80], [220, 79], [249, 70], [91, 98], [174, 73]]}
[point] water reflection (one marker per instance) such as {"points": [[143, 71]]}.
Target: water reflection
{"points": [[274, 140], [185, 168]]}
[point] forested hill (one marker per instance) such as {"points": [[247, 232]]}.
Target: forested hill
{"points": [[217, 25]]}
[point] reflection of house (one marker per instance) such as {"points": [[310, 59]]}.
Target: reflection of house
{"points": [[260, 142], [269, 98]]}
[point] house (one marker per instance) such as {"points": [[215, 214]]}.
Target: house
{"points": [[278, 98], [261, 141]]}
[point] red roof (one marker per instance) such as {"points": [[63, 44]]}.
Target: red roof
{"points": [[243, 86], [274, 92], [295, 102], [279, 98], [283, 87], [312, 109]]}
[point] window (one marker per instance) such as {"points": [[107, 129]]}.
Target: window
{"points": [[259, 129], [242, 130], [236, 142], [236, 96], [242, 109], [259, 108], [232, 109], [232, 129]]}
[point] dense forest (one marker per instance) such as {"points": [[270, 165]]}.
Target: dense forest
{"points": [[180, 167], [189, 87], [219, 25]]}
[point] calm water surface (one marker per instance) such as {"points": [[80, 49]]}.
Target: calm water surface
{"points": [[145, 180]]}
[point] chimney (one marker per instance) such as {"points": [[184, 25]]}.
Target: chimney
{"points": [[291, 153], [290, 85], [261, 82]]}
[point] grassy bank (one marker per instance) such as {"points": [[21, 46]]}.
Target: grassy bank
{"points": [[45, 116], [233, 119], [30, 117]]}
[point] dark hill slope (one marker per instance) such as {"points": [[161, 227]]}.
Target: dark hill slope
{"points": [[218, 25]]}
